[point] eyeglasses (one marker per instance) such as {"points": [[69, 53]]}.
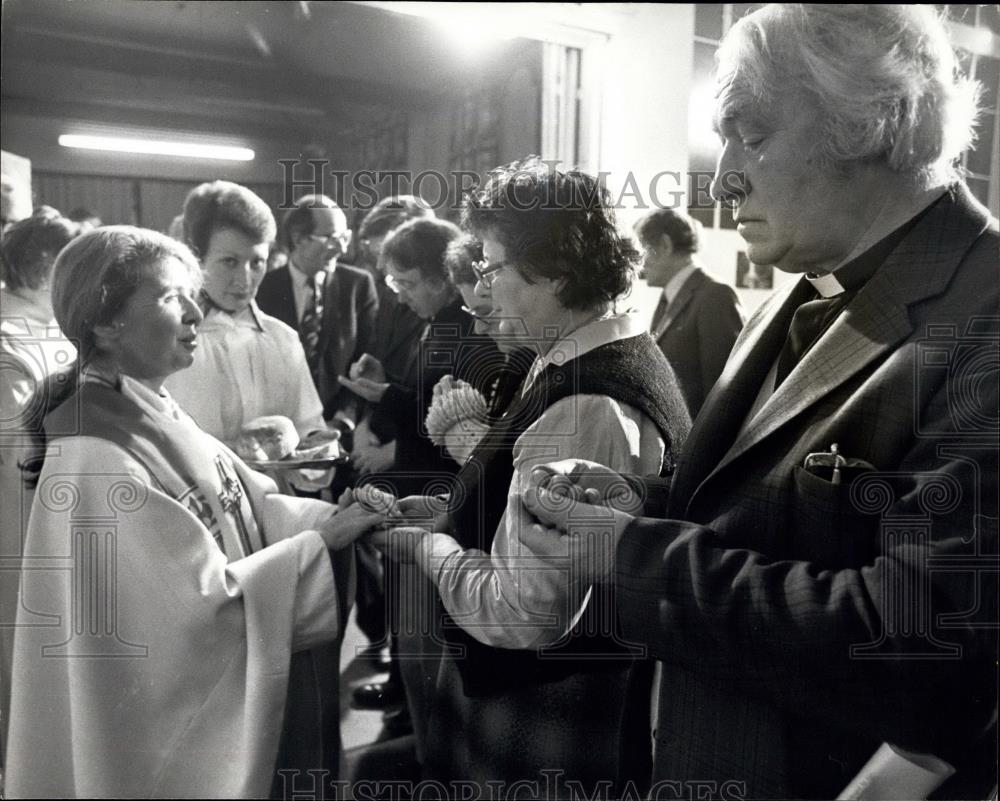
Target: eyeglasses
{"points": [[341, 237], [399, 284], [479, 313], [487, 272]]}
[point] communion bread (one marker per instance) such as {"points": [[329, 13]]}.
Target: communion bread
{"points": [[267, 439], [319, 444]]}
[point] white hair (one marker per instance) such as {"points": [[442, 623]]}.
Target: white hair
{"points": [[883, 77]]}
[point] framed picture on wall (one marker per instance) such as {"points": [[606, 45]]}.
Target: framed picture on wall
{"points": [[753, 276]]}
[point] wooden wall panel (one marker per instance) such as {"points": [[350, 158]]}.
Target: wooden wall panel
{"points": [[149, 202], [112, 199]]}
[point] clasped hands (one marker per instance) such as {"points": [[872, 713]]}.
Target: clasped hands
{"points": [[586, 507], [403, 524], [367, 512], [578, 510]]}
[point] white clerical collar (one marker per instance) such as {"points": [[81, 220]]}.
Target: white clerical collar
{"points": [[827, 285]]}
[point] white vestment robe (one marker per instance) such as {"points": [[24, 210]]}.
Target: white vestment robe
{"points": [[164, 668]]}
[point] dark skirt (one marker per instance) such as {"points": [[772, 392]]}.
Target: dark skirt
{"points": [[551, 735]]}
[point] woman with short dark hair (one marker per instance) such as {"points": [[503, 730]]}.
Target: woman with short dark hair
{"points": [[509, 705]]}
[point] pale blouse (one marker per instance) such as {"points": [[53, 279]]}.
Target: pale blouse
{"points": [[514, 597], [247, 365]]}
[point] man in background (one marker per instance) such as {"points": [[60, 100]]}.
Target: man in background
{"points": [[698, 318], [333, 306]]}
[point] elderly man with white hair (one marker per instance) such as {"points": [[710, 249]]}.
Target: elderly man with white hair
{"points": [[819, 584]]}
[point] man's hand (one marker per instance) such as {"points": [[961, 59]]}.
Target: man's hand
{"points": [[373, 499], [370, 455], [583, 536], [590, 482], [368, 367], [425, 511], [400, 543], [371, 391], [374, 458], [347, 524], [366, 378]]}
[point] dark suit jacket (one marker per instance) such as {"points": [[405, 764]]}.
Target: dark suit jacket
{"points": [[451, 347], [802, 622], [697, 334], [350, 306], [397, 339]]}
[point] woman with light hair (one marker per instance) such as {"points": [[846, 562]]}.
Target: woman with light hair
{"points": [[181, 582]]}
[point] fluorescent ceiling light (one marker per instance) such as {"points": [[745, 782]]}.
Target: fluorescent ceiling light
{"points": [[157, 147]]}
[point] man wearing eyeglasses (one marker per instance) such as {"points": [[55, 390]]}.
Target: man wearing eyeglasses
{"points": [[332, 305]]}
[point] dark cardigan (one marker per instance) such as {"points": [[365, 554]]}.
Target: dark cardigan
{"points": [[507, 715], [632, 371]]}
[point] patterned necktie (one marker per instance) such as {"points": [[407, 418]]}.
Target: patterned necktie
{"points": [[658, 315], [311, 323], [811, 319]]}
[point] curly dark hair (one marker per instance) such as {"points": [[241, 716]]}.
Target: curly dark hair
{"points": [[219, 205], [391, 212], [557, 225], [460, 255]]}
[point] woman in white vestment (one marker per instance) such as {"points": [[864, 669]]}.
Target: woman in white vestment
{"points": [[248, 364], [175, 582]]}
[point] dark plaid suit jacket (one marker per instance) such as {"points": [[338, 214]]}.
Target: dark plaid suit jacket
{"points": [[348, 331], [801, 622], [697, 334]]}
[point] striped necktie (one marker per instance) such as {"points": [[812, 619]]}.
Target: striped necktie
{"points": [[311, 323]]}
